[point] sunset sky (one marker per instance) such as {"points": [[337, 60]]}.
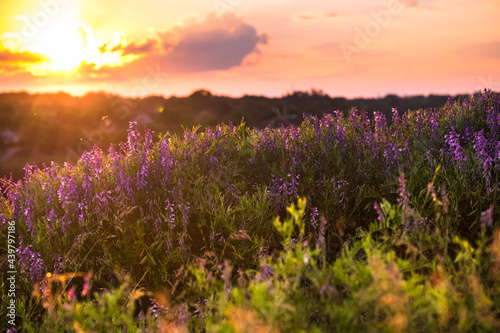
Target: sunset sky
{"points": [[234, 47]]}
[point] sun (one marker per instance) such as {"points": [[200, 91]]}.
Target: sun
{"points": [[68, 43], [62, 42]]}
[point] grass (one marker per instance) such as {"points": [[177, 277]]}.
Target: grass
{"points": [[345, 223]]}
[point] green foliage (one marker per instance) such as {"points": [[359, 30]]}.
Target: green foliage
{"points": [[396, 228]]}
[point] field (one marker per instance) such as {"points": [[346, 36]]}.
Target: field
{"points": [[349, 222]]}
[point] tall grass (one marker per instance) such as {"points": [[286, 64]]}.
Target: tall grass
{"points": [[396, 229]]}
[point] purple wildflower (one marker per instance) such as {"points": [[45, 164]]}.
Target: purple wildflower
{"points": [[341, 135], [468, 131], [452, 140], [265, 273], [51, 217], [68, 191], [167, 159], [451, 102], [487, 217], [87, 185], [380, 121], [320, 241], [396, 120], [143, 172], [57, 263], [493, 119], [338, 190], [28, 213], [314, 216], [101, 202], [317, 128], [481, 147], [380, 213], [391, 154], [420, 124], [31, 262], [431, 123], [404, 196], [170, 217], [133, 138], [86, 284], [338, 116], [293, 185]]}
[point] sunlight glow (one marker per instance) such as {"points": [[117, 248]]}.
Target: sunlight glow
{"points": [[62, 42], [67, 44]]}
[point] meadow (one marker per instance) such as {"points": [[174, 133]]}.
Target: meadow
{"points": [[352, 221]]}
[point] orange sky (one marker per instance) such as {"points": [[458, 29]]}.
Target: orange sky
{"points": [[234, 47]]}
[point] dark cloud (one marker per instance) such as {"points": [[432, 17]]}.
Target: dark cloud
{"points": [[217, 43], [485, 50], [145, 47], [131, 48]]}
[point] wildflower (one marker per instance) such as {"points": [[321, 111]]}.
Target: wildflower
{"points": [[182, 247], [320, 242], [317, 128], [266, 272], [326, 288], [293, 185], [338, 116], [101, 202], [396, 120], [72, 295], [380, 121], [404, 196], [391, 154], [86, 284], [452, 140], [133, 137], [468, 131], [28, 213], [143, 172], [404, 203], [420, 124], [380, 214], [493, 119], [57, 263], [487, 217], [341, 135], [31, 262], [314, 215], [338, 191], [481, 146], [431, 124]]}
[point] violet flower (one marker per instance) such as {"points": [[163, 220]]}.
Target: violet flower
{"points": [[481, 147], [380, 121], [31, 262], [487, 217], [380, 213], [452, 140]]}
